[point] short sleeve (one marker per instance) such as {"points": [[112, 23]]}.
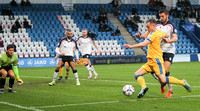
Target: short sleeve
{"points": [[151, 37]]}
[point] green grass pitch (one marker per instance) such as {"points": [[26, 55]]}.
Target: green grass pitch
{"points": [[103, 94]]}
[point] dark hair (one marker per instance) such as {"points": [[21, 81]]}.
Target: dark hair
{"points": [[163, 11], [68, 30], [152, 21], [9, 46]]}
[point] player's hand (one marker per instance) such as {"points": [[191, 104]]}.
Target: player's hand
{"points": [[56, 57], [167, 36], [165, 40], [138, 35], [127, 46], [78, 61], [62, 54], [98, 52]]}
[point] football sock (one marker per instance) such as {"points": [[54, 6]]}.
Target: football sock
{"points": [[173, 80], [93, 70], [67, 72], [55, 75], [61, 70], [2, 81], [11, 82], [141, 81], [89, 69], [76, 75]]}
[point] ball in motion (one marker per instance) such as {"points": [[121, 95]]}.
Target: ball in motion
{"points": [[128, 90]]}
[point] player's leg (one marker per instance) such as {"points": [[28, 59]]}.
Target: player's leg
{"points": [[140, 79], [75, 72], [60, 63], [93, 70], [169, 79], [61, 71], [11, 81], [67, 70], [167, 65], [86, 63], [3, 73]]}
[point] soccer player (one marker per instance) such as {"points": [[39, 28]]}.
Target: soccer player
{"points": [[67, 46], [155, 59], [86, 50], [168, 45], [61, 69], [8, 68]]}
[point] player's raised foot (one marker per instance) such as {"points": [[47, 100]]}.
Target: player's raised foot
{"points": [[187, 86], [20, 82], [1, 91], [162, 89], [78, 83], [95, 77], [89, 77], [142, 92], [52, 83], [60, 77], [11, 90], [169, 94]]}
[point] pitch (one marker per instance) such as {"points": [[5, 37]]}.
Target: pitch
{"points": [[105, 93]]}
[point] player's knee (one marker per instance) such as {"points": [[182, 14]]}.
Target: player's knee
{"points": [[4, 75], [12, 76], [167, 74], [75, 71]]}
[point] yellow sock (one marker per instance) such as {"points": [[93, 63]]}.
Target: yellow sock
{"points": [[174, 80], [141, 81], [67, 73], [61, 70]]}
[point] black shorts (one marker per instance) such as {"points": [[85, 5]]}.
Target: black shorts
{"points": [[67, 59], [86, 56], [168, 57], [7, 69]]}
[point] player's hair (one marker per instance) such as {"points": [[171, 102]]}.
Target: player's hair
{"points": [[9, 46], [84, 29], [151, 21], [68, 30], [163, 11]]}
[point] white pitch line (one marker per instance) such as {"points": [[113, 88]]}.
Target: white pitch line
{"points": [[109, 81], [19, 106], [109, 102]]}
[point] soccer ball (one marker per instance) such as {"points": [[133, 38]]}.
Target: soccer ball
{"points": [[128, 90]]}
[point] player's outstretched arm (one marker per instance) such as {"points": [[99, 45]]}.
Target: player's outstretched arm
{"points": [[96, 48], [143, 36], [142, 44]]}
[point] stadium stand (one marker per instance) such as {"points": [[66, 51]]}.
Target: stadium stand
{"points": [[49, 23]]}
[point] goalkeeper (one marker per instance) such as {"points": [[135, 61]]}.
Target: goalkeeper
{"points": [[8, 68]]}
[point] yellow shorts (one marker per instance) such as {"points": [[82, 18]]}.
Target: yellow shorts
{"points": [[154, 65]]}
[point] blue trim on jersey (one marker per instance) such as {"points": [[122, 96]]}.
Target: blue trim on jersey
{"points": [[149, 40], [137, 76], [150, 34], [160, 66], [167, 79]]}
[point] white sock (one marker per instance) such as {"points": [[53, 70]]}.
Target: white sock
{"points": [[170, 87], [55, 76], [76, 76], [89, 70], [93, 70]]}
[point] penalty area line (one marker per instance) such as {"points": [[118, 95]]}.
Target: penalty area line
{"points": [[110, 102], [19, 106]]}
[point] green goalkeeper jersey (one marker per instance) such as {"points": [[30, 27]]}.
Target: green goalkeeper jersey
{"points": [[6, 61]]}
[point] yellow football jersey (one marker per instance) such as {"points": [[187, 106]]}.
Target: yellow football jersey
{"points": [[154, 48]]}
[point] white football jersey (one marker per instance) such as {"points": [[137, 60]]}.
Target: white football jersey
{"points": [[86, 45], [67, 46], [169, 29]]}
